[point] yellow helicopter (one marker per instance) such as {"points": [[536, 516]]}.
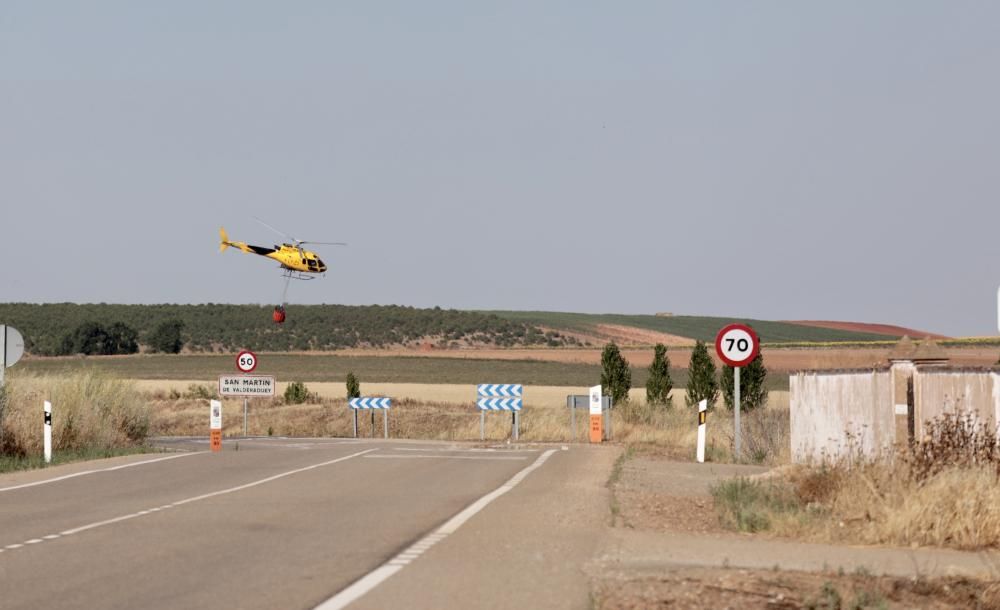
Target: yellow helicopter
{"points": [[296, 262]]}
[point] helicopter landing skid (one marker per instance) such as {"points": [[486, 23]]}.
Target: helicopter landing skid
{"points": [[296, 275]]}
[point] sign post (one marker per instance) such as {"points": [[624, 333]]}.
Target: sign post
{"points": [[246, 361], [246, 386], [737, 345], [372, 403], [596, 431], [582, 401], [499, 397], [11, 348], [215, 425], [47, 433]]}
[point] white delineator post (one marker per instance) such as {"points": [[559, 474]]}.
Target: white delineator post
{"points": [[47, 434], [702, 412]]}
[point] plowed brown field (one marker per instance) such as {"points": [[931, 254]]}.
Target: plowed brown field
{"points": [[775, 358], [878, 329]]}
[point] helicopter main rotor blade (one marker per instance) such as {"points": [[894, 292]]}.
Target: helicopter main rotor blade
{"points": [[282, 233], [299, 242]]}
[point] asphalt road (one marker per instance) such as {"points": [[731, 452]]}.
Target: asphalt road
{"points": [[294, 523]]}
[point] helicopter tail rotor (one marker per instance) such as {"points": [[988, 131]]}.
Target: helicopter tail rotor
{"points": [[223, 240]]}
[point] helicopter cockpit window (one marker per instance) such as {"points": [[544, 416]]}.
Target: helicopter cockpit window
{"points": [[312, 263]]}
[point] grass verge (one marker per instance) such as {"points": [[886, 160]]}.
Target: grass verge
{"points": [[32, 462], [612, 484], [92, 414]]}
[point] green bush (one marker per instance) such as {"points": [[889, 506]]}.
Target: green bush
{"points": [[296, 393], [166, 337], [94, 339]]}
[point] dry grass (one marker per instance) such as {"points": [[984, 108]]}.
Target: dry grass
{"points": [[944, 492], [422, 411], [89, 411], [454, 393]]}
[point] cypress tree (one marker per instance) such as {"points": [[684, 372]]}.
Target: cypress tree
{"points": [[616, 376], [659, 384], [753, 394], [702, 383], [353, 387]]}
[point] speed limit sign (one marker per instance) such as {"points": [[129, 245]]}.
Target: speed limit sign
{"points": [[246, 361], [737, 345]]}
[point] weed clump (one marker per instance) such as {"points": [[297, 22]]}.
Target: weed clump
{"points": [[953, 440], [753, 506]]}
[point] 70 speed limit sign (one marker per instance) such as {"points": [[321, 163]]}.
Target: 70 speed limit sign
{"points": [[737, 345]]}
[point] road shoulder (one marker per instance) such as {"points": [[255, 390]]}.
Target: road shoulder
{"points": [[528, 549]]}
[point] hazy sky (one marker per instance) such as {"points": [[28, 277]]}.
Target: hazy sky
{"points": [[778, 160]]}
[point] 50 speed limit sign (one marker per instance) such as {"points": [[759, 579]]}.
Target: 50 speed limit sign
{"points": [[737, 345], [246, 361]]}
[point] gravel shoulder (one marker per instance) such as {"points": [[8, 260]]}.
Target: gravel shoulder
{"points": [[667, 550]]}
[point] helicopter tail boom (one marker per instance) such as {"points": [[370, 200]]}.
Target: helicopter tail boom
{"points": [[225, 243]]}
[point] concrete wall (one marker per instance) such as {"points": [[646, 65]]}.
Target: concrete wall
{"points": [[837, 413], [938, 391]]}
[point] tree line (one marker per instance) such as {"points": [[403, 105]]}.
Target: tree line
{"points": [[704, 381], [52, 329]]}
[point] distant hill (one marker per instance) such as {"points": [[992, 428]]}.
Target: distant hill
{"points": [[224, 328], [689, 328]]}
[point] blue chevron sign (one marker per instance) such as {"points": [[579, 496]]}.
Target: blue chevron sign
{"points": [[500, 390], [370, 402], [499, 404]]}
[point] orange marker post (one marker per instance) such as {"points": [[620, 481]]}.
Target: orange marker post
{"points": [[215, 425], [596, 419]]}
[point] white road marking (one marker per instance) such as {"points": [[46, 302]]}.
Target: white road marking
{"points": [[86, 472], [97, 524], [471, 450], [397, 563], [443, 457]]}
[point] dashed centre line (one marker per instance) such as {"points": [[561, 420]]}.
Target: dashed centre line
{"points": [[95, 471], [141, 513]]}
